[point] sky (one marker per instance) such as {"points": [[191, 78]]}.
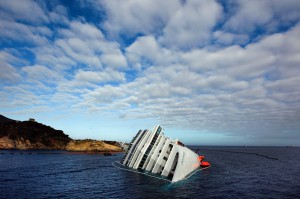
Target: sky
{"points": [[210, 72]]}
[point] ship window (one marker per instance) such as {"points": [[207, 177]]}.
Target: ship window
{"points": [[175, 162], [161, 168]]}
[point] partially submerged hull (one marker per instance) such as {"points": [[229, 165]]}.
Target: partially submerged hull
{"points": [[153, 152]]}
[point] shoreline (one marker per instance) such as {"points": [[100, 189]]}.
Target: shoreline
{"points": [[58, 151]]}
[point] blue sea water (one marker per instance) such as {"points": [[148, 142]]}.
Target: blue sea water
{"points": [[236, 172]]}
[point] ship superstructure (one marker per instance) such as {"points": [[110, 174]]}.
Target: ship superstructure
{"points": [[153, 152]]}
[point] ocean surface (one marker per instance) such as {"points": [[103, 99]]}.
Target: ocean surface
{"points": [[236, 172]]}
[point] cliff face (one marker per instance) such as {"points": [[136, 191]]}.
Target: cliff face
{"points": [[4, 120], [92, 145], [33, 135]]}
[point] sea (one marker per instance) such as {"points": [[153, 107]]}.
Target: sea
{"points": [[235, 172]]}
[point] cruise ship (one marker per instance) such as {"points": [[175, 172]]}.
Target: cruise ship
{"points": [[153, 152]]}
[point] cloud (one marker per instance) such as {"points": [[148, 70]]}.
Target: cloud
{"points": [[192, 24], [177, 24], [244, 20], [79, 51], [80, 45], [135, 17], [270, 16], [114, 60], [8, 73], [230, 90], [53, 56], [206, 66], [226, 38], [288, 85], [59, 15], [11, 30], [42, 74], [147, 50], [25, 96], [100, 77], [27, 11], [81, 29]]}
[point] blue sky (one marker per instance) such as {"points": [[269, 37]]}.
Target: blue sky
{"points": [[209, 72]]}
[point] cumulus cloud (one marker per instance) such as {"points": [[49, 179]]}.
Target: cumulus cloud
{"points": [[81, 44], [134, 17], [41, 73], [192, 24], [184, 24], [11, 30], [53, 56], [79, 51], [193, 64], [100, 77], [146, 50], [81, 29], [244, 20], [226, 38], [230, 90], [265, 15], [8, 73], [114, 59], [27, 10], [59, 15]]}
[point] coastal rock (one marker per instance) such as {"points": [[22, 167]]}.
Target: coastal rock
{"points": [[30, 135], [92, 145], [6, 143], [4, 120], [33, 135]]}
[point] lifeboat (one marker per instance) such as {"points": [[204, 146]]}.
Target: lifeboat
{"points": [[202, 163]]}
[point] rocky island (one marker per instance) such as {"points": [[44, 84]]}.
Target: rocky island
{"points": [[26, 135]]}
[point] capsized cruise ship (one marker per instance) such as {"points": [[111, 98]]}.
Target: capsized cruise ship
{"points": [[153, 152]]}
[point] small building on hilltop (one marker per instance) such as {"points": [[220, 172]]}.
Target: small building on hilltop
{"points": [[31, 120]]}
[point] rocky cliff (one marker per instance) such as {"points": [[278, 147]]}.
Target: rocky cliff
{"points": [[92, 145], [33, 135], [30, 135]]}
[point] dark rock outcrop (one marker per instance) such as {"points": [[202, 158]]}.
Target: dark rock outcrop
{"points": [[30, 135], [33, 135], [4, 120]]}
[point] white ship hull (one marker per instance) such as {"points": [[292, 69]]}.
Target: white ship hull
{"points": [[153, 152]]}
